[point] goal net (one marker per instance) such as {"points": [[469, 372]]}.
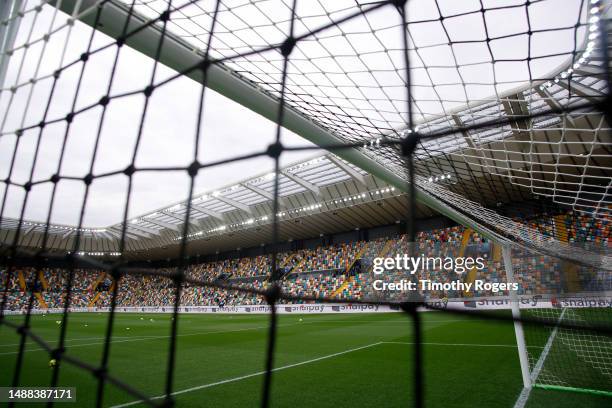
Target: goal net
{"points": [[567, 299], [488, 113], [570, 359]]}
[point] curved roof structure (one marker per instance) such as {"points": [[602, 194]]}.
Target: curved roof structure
{"points": [[322, 195]]}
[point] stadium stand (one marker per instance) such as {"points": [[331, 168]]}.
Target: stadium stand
{"points": [[342, 270]]}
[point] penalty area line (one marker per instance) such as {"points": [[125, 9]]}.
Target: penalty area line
{"points": [[244, 377]]}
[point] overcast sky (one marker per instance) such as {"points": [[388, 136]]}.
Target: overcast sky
{"points": [[230, 129]]}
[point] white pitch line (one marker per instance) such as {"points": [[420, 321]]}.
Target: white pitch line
{"points": [[451, 344], [244, 377]]}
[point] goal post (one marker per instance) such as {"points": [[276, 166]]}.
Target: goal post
{"points": [[516, 314], [568, 359], [561, 352]]}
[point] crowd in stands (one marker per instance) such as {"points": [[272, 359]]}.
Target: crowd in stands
{"points": [[340, 271], [333, 257], [574, 228]]}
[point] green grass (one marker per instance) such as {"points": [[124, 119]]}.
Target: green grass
{"points": [[468, 363]]}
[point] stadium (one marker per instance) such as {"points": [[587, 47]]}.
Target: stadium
{"points": [[310, 203]]}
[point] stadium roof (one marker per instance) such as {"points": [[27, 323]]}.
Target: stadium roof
{"points": [[510, 146], [321, 195]]}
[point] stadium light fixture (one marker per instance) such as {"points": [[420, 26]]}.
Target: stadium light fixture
{"points": [[87, 253], [593, 35], [305, 209]]}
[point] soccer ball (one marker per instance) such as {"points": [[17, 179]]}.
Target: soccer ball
{"points": [[52, 363], [301, 319]]}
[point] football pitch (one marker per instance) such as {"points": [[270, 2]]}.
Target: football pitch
{"points": [[339, 360]]}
